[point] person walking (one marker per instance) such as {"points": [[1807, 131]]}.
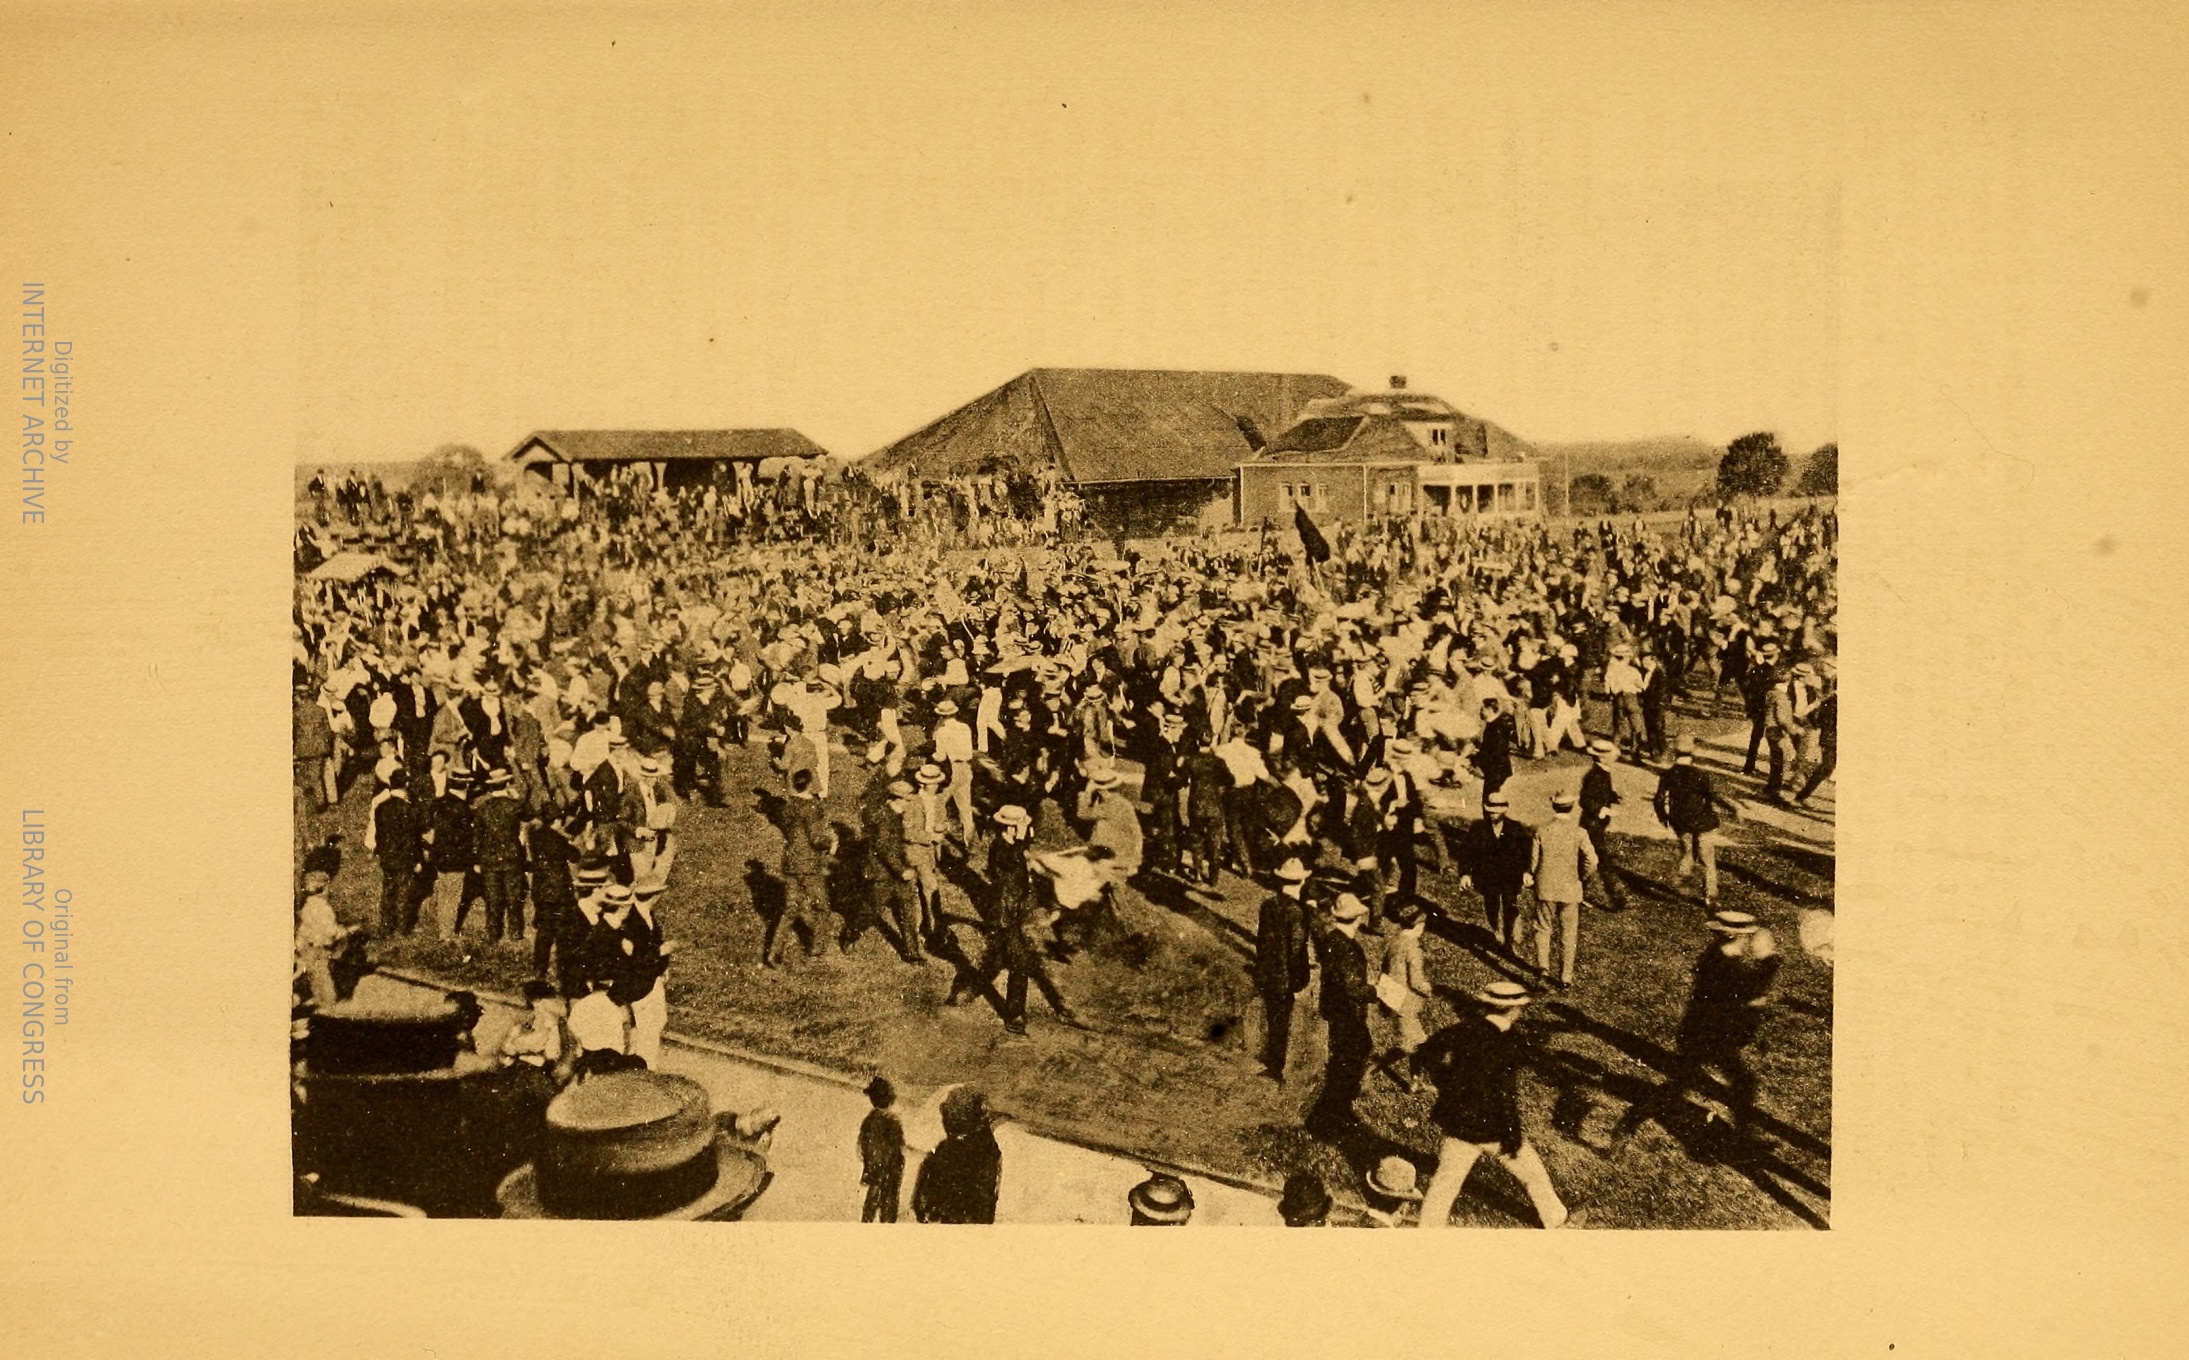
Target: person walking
{"points": [[954, 751], [1687, 803], [1345, 998], [1475, 1065], [1563, 860], [1725, 1012], [881, 1154], [1497, 860], [1280, 963], [1598, 797], [1824, 732], [808, 841], [1014, 917], [891, 877], [1404, 986]]}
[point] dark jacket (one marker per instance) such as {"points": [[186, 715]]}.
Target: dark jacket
{"points": [[398, 832], [1720, 1018], [959, 1181], [1476, 1068], [1496, 862], [1686, 800], [496, 828], [452, 843], [1280, 946], [1597, 795], [1346, 990], [805, 839], [881, 1148], [1208, 778]]}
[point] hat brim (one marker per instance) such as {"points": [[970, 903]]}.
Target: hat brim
{"points": [[1375, 1183], [741, 1175], [1504, 1003]]}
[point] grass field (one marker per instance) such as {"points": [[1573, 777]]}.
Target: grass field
{"points": [[1164, 1068]]}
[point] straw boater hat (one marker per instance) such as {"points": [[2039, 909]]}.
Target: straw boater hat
{"points": [[1504, 996], [1011, 814], [1496, 799], [1377, 775], [946, 708], [637, 1145], [930, 774], [1160, 1201], [649, 766], [1292, 871], [1102, 777], [1348, 907], [1562, 801], [1602, 746], [1395, 1178], [1733, 923], [898, 788]]}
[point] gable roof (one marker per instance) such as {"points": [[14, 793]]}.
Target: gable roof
{"points": [[663, 446], [1371, 426], [1099, 425]]}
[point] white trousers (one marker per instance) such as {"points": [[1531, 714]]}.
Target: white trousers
{"points": [[1455, 1159]]}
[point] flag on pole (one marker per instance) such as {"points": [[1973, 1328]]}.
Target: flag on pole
{"points": [[1311, 538]]}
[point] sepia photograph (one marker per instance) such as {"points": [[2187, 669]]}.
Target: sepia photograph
{"points": [[1002, 621], [1143, 796]]}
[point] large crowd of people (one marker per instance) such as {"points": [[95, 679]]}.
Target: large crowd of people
{"points": [[534, 684]]}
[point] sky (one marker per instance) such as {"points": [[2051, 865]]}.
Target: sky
{"points": [[853, 229]]}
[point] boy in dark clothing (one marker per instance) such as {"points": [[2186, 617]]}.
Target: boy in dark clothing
{"points": [[881, 1154]]}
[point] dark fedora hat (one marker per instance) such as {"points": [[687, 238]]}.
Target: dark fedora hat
{"points": [[636, 1145]]}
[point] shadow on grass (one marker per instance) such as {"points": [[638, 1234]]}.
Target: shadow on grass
{"points": [[1175, 897]]}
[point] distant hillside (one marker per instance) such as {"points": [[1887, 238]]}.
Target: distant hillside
{"points": [[1679, 468]]}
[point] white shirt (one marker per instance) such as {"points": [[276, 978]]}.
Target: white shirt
{"points": [[953, 741]]}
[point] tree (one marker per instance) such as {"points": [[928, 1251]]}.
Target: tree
{"points": [[1754, 465], [1821, 476], [451, 467], [1591, 495], [1637, 494]]}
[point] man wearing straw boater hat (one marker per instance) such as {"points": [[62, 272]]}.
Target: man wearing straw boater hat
{"points": [[1014, 916], [1280, 963], [1598, 797], [1346, 993], [1725, 1011], [1563, 861], [1496, 858], [1475, 1064], [640, 1145]]}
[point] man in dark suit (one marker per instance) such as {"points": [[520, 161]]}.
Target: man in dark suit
{"points": [[397, 840], [497, 833], [488, 723], [1494, 859], [1476, 1065], [1280, 963], [1598, 797], [1346, 993], [1014, 918], [451, 854]]}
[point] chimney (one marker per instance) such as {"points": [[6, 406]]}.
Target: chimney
{"points": [[1398, 382]]}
